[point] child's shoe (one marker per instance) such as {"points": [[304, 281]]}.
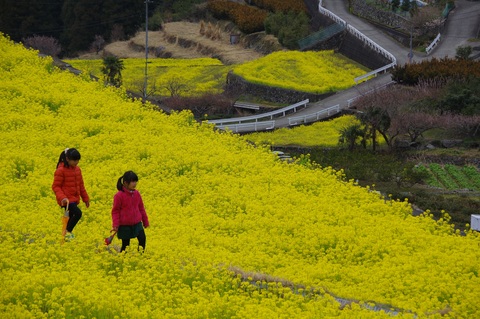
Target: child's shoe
{"points": [[69, 237]]}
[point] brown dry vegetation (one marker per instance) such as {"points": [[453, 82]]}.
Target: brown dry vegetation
{"points": [[184, 40]]}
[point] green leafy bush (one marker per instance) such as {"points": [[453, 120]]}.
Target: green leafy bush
{"points": [[281, 5], [412, 74], [248, 19], [288, 27]]}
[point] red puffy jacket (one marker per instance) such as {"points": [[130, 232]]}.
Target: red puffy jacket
{"points": [[68, 183], [128, 209]]}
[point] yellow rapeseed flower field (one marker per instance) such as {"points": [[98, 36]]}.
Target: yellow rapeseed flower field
{"points": [[235, 232], [322, 134], [194, 76], [315, 72]]}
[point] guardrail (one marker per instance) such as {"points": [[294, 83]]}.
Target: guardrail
{"points": [[255, 118], [314, 116], [254, 126], [433, 44], [350, 101], [372, 44], [374, 72], [244, 105], [365, 40]]}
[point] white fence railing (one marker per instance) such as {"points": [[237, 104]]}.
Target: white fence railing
{"points": [[365, 40], [270, 115], [350, 101], [374, 72], [433, 44], [248, 127], [297, 120], [372, 44]]}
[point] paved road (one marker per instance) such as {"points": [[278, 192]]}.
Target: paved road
{"points": [[463, 24]]}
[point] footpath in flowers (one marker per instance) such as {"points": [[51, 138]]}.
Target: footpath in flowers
{"points": [[235, 232]]}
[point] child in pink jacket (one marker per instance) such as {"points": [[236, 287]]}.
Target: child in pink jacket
{"points": [[128, 213]]}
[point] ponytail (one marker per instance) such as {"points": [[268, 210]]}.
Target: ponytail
{"points": [[69, 153], [128, 177], [120, 184]]}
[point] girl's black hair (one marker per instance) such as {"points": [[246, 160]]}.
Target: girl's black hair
{"points": [[70, 153], [128, 177]]}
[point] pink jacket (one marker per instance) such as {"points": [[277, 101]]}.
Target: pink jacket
{"points": [[68, 183], [128, 209]]}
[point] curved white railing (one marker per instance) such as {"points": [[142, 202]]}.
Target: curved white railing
{"points": [[365, 40], [270, 115], [248, 127], [297, 120], [374, 72], [372, 44], [350, 101]]}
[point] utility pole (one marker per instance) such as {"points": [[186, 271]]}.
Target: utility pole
{"points": [[145, 80], [410, 54]]}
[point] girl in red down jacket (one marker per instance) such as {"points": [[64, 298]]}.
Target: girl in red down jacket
{"points": [[69, 187], [128, 213]]}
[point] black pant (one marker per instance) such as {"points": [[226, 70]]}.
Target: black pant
{"points": [[142, 240], [75, 215]]}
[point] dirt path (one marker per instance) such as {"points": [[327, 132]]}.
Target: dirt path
{"points": [[183, 40]]}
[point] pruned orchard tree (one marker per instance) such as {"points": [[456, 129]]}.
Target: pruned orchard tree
{"points": [[376, 111], [399, 111], [428, 16], [465, 125], [44, 44], [176, 86], [138, 85], [98, 44], [414, 124]]}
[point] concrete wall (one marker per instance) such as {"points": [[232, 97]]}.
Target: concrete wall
{"points": [[357, 50]]}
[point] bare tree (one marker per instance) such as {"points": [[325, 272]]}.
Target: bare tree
{"points": [[98, 44], [46, 45], [428, 16], [414, 124], [176, 86], [377, 111], [138, 86], [117, 33], [463, 124], [398, 111]]}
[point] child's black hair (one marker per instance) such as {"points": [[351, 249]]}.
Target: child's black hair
{"points": [[70, 153], [128, 177]]}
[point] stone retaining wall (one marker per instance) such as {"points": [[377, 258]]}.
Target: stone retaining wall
{"points": [[363, 10], [357, 50], [397, 26], [238, 85]]}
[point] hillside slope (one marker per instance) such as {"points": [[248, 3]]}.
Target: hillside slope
{"points": [[222, 213], [183, 40]]}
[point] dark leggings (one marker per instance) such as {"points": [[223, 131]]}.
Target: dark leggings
{"points": [[75, 215], [142, 240]]}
